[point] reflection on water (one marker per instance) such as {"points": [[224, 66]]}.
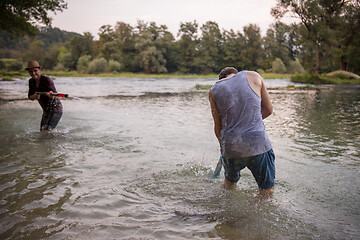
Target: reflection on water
{"points": [[330, 120], [133, 159]]}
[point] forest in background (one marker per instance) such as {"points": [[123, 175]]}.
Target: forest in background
{"points": [[326, 39]]}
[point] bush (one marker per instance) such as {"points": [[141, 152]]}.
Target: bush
{"points": [[7, 79], [278, 66], [260, 71], [67, 61], [2, 65], [314, 79], [60, 68], [83, 63], [114, 66], [342, 76], [296, 67], [98, 66], [16, 66]]}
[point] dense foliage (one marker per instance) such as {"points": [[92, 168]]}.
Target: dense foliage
{"points": [[326, 39], [328, 35], [19, 17]]}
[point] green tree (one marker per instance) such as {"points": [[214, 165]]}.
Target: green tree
{"points": [[321, 19], [209, 58], [252, 56], [277, 44], [36, 51], [166, 42], [81, 45], [19, 17], [106, 34], [348, 35], [76, 47], [124, 37], [232, 46], [150, 53], [110, 51], [51, 35], [187, 45], [52, 51]]}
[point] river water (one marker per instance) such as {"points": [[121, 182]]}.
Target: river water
{"points": [[133, 158]]}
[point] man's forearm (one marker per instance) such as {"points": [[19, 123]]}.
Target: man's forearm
{"points": [[265, 113], [217, 132]]}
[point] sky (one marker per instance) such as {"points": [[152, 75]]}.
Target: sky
{"points": [[89, 15]]}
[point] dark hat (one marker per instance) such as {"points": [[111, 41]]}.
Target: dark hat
{"points": [[32, 64]]}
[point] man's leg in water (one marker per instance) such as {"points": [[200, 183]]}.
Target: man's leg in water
{"points": [[229, 185], [266, 192]]}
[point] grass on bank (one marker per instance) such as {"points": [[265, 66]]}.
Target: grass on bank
{"points": [[290, 87], [123, 74], [324, 79], [22, 74], [298, 78]]}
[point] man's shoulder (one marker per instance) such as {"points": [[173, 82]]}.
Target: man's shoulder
{"points": [[46, 78], [253, 74], [254, 77]]}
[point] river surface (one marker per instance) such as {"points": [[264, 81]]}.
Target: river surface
{"points": [[133, 158]]}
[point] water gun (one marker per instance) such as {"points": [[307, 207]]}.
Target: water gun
{"points": [[54, 94]]}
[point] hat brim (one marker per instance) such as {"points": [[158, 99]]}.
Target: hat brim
{"points": [[28, 68]]}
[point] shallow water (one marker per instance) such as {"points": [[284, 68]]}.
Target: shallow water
{"points": [[133, 159]]}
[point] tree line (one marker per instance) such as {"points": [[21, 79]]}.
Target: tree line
{"points": [[326, 39]]}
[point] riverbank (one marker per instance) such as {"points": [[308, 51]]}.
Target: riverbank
{"points": [[11, 75], [337, 77], [289, 87], [314, 79]]}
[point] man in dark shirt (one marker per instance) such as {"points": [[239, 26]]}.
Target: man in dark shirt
{"points": [[51, 105]]}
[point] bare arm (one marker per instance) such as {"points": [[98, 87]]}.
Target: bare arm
{"points": [[266, 105], [216, 116], [257, 84]]}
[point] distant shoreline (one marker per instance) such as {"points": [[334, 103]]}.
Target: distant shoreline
{"points": [[287, 88], [314, 79], [130, 74]]}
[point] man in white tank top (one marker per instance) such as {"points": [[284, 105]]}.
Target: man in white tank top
{"points": [[239, 102]]}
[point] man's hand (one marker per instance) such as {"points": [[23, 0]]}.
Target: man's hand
{"points": [[50, 94], [34, 97]]}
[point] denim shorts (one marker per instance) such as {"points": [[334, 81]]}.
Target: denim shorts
{"points": [[262, 167], [49, 120]]}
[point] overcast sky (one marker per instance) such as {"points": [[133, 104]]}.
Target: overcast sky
{"points": [[89, 15]]}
